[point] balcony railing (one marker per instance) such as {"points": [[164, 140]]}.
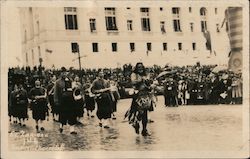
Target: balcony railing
{"points": [[113, 32]]}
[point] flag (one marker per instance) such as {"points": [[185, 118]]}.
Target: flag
{"points": [[207, 36], [48, 51], [215, 53], [235, 34], [235, 61], [225, 20], [18, 59]]}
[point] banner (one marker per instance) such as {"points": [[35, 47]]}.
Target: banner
{"points": [[208, 40], [234, 20], [235, 61]]}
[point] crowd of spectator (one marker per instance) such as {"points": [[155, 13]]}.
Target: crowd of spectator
{"points": [[187, 85]]}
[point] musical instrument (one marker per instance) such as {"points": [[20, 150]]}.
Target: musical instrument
{"points": [[99, 92], [89, 93], [77, 94]]}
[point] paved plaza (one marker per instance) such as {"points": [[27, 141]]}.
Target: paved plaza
{"points": [[183, 128]]}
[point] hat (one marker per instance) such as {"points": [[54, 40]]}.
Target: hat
{"points": [[63, 69], [37, 83], [101, 71]]}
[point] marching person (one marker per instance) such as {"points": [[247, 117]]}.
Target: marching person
{"points": [[153, 96], [50, 92], [64, 100], [115, 96], [154, 91], [11, 102], [19, 104], [142, 101], [78, 99], [101, 88], [89, 99], [39, 106]]}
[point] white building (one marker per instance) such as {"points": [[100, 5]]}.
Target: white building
{"points": [[112, 34]]}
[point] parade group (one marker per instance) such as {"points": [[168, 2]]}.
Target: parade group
{"points": [[66, 94]]}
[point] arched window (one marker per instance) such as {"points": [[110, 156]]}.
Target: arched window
{"points": [[203, 11]]}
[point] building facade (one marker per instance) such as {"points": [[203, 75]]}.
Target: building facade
{"points": [[112, 34]]}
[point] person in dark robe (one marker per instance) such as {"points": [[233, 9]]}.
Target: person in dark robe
{"points": [[64, 100], [50, 92], [11, 95], [19, 104], [78, 99], [38, 97], [101, 88], [115, 96], [166, 92], [170, 93], [215, 94], [89, 99]]}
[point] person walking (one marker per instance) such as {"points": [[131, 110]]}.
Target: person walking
{"points": [[78, 99], [101, 88], [50, 92], [38, 97], [115, 96], [19, 104], [89, 99], [64, 100], [141, 102]]}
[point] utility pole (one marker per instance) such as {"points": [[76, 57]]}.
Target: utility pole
{"points": [[75, 49], [79, 57]]}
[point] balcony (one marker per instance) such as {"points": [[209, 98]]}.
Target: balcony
{"points": [[112, 32], [179, 33], [176, 16], [143, 14], [93, 31]]}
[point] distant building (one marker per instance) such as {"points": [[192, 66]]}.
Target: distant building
{"points": [[112, 35]]}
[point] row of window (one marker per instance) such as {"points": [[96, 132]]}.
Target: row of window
{"points": [[114, 47], [176, 10], [110, 20]]}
